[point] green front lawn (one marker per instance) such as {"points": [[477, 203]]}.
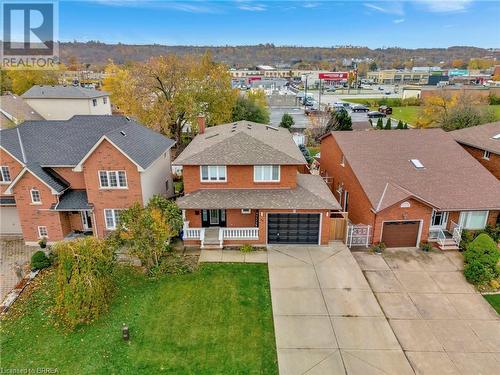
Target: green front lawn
{"points": [[494, 300], [217, 320]]}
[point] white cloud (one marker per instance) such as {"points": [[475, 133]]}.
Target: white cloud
{"points": [[399, 20], [253, 7], [183, 6], [310, 5], [446, 6], [388, 7]]}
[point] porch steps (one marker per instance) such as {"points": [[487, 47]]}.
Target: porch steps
{"points": [[449, 244], [211, 241]]}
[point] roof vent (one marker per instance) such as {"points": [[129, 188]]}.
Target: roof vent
{"points": [[211, 136], [127, 118], [269, 127], [496, 137], [123, 133], [417, 164]]}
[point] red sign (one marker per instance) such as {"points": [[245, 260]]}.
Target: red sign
{"points": [[250, 79], [334, 76]]}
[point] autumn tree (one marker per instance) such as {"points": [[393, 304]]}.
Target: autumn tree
{"points": [[252, 107], [169, 92], [287, 121], [23, 80]]}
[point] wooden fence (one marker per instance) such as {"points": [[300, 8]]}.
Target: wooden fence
{"points": [[338, 226]]}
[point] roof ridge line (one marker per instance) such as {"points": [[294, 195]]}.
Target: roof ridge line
{"points": [[25, 160]]}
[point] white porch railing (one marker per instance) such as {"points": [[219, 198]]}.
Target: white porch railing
{"points": [[194, 234], [441, 237], [239, 233]]}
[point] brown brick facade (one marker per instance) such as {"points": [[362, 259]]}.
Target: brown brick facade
{"points": [[238, 177], [493, 164], [14, 168]]}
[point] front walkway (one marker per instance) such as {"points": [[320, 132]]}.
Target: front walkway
{"points": [[326, 318], [13, 254], [443, 325]]}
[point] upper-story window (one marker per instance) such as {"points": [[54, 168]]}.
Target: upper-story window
{"points": [[94, 102], [4, 174], [35, 196], [113, 179], [486, 155], [105, 100], [213, 173], [266, 173]]}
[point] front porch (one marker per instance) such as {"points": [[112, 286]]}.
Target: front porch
{"points": [[444, 231]]}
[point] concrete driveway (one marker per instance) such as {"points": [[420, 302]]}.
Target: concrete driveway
{"points": [[442, 324], [326, 318]]}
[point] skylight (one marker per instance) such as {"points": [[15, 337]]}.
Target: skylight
{"points": [[496, 137], [417, 163]]}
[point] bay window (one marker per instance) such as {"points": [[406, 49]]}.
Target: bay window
{"points": [[473, 219], [266, 173], [213, 173]]}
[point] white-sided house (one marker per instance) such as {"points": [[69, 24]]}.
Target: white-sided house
{"points": [[60, 102]]}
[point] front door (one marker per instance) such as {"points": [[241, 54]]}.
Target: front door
{"points": [[213, 218], [439, 219], [86, 220]]}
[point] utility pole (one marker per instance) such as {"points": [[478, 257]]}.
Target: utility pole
{"points": [[305, 90]]}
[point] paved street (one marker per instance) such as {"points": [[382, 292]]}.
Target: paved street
{"points": [[326, 318], [12, 252], [442, 324]]}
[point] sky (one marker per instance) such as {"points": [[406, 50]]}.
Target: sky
{"points": [[407, 24]]}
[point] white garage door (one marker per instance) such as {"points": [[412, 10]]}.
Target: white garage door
{"points": [[9, 221]]}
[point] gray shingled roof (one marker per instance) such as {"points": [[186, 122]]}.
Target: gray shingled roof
{"points": [[311, 193], [65, 143], [242, 143], [73, 200], [62, 92], [15, 106], [480, 136], [450, 180]]}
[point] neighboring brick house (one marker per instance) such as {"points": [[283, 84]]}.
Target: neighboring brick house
{"points": [[242, 185], [409, 185], [64, 177], [61, 102], [482, 142]]}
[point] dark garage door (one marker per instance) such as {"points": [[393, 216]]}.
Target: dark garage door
{"points": [[293, 228], [400, 233]]}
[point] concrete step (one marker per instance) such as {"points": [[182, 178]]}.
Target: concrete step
{"points": [[211, 246], [449, 247]]}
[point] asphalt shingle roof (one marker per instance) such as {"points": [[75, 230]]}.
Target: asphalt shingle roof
{"points": [[480, 136], [242, 143], [450, 180], [65, 143], [15, 106], [311, 193], [62, 92], [73, 200]]}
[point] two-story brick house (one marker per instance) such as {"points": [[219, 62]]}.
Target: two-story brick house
{"points": [[409, 185], [242, 185], [61, 177], [482, 142]]}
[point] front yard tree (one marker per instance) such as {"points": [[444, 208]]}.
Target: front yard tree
{"points": [[287, 121], [388, 124], [400, 125], [169, 92], [380, 123], [147, 231], [84, 283], [251, 107]]}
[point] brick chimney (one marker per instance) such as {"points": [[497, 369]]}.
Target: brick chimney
{"points": [[201, 124]]}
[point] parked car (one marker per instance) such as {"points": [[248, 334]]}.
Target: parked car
{"points": [[331, 89], [375, 114], [380, 88], [360, 108], [385, 109], [311, 111]]}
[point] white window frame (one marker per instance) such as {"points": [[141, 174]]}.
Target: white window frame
{"points": [[33, 201], [104, 100], [94, 102], [116, 176], [40, 234], [4, 170], [464, 219], [217, 173], [246, 211], [113, 216], [255, 168], [342, 160], [486, 155]]}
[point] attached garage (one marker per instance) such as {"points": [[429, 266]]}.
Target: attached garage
{"points": [[9, 221], [400, 233], [293, 228]]}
